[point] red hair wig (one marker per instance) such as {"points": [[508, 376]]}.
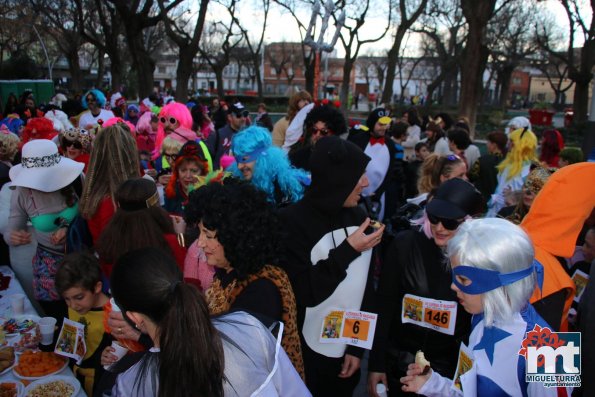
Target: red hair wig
{"points": [[38, 128]]}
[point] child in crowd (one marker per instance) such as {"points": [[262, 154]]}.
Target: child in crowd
{"points": [[493, 282], [78, 281]]}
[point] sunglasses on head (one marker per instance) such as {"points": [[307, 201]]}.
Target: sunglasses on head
{"points": [[77, 145], [171, 120], [448, 224]]}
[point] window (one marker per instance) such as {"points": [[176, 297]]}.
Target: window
{"points": [[162, 69], [516, 81]]}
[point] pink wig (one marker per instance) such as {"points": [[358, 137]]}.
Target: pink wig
{"points": [[116, 120], [143, 126], [180, 112]]}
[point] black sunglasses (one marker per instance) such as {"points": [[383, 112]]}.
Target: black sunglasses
{"points": [[171, 156], [241, 114], [449, 224], [77, 145], [322, 131], [172, 120]]}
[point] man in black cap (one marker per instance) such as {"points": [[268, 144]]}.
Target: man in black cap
{"points": [[328, 260], [219, 142], [371, 139]]}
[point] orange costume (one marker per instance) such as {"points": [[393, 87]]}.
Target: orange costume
{"points": [[554, 223]]}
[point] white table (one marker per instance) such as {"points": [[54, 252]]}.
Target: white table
{"points": [[6, 312]]}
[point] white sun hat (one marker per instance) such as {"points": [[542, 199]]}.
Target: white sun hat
{"points": [[43, 168]]}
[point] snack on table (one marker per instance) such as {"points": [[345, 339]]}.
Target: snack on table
{"points": [[420, 360], [37, 364], [8, 389], [57, 388], [13, 326], [6, 358], [28, 340]]}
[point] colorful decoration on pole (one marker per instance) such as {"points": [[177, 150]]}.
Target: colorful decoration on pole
{"points": [[319, 45]]}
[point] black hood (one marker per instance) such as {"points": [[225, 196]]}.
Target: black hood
{"points": [[336, 166]]}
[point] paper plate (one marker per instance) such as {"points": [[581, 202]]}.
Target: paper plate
{"points": [[15, 373], [70, 380], [20, 386]]}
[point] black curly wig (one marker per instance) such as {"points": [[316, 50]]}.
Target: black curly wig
{"points": [[247, 226], [331, 116]]}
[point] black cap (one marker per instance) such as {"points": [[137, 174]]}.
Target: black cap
{"points": [[238, 109], [455, 199]]}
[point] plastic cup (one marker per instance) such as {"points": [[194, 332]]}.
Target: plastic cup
{"points": [[47, 326], [119, 351], [115, 307], [17, 302], [381, 390]]}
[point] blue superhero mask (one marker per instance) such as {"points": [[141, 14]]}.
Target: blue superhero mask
{"points": [[483, 280], [249, 157]]}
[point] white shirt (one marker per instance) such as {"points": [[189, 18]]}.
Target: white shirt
{"points": [[88, 119]]}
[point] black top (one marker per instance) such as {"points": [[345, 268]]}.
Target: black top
{"points": [[260, 296], [415, 265]]}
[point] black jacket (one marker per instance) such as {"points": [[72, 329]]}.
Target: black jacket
{"points": [[336, 168], [415, 265]]}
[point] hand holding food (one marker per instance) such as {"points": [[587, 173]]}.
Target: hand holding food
{"points": [[420, 359]]}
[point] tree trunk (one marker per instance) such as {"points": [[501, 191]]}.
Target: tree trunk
{"points": [[117, 71], [142, 62], [344, 93], [393, 57], [581, 101], [475, 56], [74, 68], [100, 69], [450, 92], [219, 78], [183, 73], [505, 78]]}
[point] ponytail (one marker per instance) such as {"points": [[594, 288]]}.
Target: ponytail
{"points": [[187, 336], [426, 184]]}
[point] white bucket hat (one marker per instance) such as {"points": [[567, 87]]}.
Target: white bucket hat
{"points": [[42, 168]]}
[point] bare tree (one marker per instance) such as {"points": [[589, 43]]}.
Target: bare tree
{"points": [[15, 32], [404, 23], [443, 28], [141, 17], [60, 21], [216, 46], [510, 36], [580, 63], [101, 26], [475, 55], [356, 12], [406, 69], [186, 33], [282, 58], [255, 44]]}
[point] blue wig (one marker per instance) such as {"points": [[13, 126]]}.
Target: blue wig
{"points": [[99, 97], [272, 165]]}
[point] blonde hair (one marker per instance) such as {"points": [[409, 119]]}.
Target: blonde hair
{"points": [[170, 145], [433, 167], [524, 145], [9, 146], [114, 159]]}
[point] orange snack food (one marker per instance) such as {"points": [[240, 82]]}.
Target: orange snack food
{"points": [[8, 389], [38, 364]]}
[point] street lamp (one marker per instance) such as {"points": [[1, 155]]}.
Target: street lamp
{"points": [[319, 44]]}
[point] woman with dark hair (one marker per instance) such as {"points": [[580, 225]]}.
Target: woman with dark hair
{"points": [[411, 117], [484, 174], [231, 355], [321, 121], [12, 104], [201, 122], [239, 234], [436, 138], [139, 222], [415, 281], [552, 143]]}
